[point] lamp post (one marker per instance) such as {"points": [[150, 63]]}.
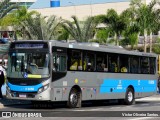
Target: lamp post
{"points": [[73, 6]]}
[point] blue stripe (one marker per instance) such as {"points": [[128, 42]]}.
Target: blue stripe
{"points": [[19, 88], [120, 85]]}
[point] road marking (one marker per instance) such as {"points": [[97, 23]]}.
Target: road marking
{"points": [[144, 104], [141, 118], [78, 110], [95, 109], [130, 106], [115, 107]]}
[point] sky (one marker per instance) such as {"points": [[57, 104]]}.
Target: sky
{"points": [[46, 3]]}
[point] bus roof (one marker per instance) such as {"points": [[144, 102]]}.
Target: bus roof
{"points": [[92, 47]]}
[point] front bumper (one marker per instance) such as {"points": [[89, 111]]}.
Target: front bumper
{"points": [[43, 96]]}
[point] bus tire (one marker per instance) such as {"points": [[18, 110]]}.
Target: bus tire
{"points": [[74, 98], [129, 97]]}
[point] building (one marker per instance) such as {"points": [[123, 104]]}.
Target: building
{"points": [[83, 11], [26, 3]]}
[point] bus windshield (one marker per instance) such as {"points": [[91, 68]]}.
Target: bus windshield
{"points": [[28, 65]]}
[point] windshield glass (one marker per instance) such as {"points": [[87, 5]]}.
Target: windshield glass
{"points": [[28, 65]]}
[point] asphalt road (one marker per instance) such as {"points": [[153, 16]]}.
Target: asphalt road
{"points": [[144, 109]]}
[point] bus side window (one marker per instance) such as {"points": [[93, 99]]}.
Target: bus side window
{"points": [[74, 64], [75, 60], [123, 61], [113, 63], [134, 64], [152, 65], [144, 65], [101, 62], [89, 57]]}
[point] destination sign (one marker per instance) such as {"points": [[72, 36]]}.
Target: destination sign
{"points": [[26, 45]]}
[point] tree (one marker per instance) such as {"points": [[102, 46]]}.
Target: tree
{"points": [[15, 19], [131, 39], [38, 27], [156, 47], [145, 16], [6, 6], [63, 34], [153, 18], [80, 31], [114, 23], [102, 35], [21, 14], [18, 17], [131, 33]]}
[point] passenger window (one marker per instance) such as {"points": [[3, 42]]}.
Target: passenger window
{"points": [[123, 63], [134, 64], [113, 63], [152, 65], [75, 60], [89, 59], [145, 65], [101, 62]]}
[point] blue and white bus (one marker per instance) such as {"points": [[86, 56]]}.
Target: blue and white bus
{"points": [[76, 72]]}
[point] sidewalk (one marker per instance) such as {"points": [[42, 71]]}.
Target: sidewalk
{"points": [[151, 98]]}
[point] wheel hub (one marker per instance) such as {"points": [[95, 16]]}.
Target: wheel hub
{"points": [[73, 99], [130, 96]]}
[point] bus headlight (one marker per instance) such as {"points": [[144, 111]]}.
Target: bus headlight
{"points": [[43, 88]]}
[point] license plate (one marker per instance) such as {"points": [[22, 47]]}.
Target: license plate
{"points": [[22, 95]]}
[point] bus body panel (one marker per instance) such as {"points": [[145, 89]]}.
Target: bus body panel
{"points": [[106, 85], [93, 85]]}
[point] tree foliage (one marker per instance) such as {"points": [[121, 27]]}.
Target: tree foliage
{"points": [[38, 27], [146, 17], [102, 35], [114, 22], [6, 6], [80, 31]]}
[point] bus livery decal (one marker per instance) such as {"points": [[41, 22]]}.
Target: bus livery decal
{"points": [[121, 85], [24, 88]]}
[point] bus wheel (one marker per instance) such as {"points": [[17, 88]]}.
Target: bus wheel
{"points": [[74, 99], [129, 98]]}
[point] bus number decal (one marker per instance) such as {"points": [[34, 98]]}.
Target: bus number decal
{"points": [[151, 82], [119, 86], [29, 89]]}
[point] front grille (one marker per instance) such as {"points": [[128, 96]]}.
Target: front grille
{"points": [[23, 94]]}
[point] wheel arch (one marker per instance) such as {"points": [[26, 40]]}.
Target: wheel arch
{"points": [[77, 87], [131, 86]]}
